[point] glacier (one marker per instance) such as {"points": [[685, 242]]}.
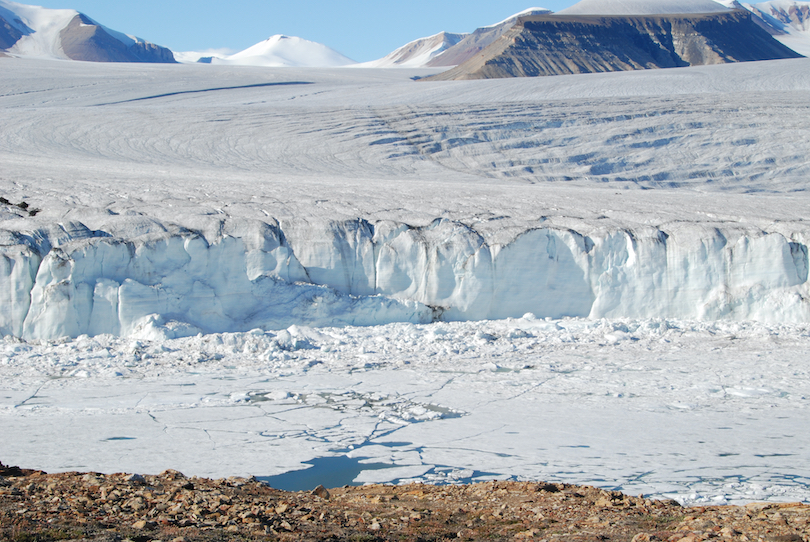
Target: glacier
{"points": [[595, 279], [71, 281], [358, 197]]}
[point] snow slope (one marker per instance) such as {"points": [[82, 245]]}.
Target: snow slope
{"points": [[285, 51], [46, 33], [417, 53], [525, 13], [790, 21], [45, 25], [642, 7]]}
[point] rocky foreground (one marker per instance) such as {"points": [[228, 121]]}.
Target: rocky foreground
{"points": [[35, 506]]}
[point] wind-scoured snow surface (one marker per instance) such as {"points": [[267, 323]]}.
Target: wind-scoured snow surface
{"points": [[210, 248]]}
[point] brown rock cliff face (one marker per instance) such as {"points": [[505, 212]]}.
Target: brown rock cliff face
{"points": [[82, 39], [472, 44], [561, 45]]}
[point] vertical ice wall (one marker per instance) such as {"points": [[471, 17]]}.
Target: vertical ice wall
{"points": [[69, 281]]}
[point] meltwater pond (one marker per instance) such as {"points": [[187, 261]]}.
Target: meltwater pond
{"points": [[352, 469], [700, 412], [326, 471]]}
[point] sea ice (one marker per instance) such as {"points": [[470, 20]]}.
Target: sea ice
{"points": [[690, 410]]}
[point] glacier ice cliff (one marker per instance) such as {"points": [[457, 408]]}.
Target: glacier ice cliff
{"points": [[144, 278]]}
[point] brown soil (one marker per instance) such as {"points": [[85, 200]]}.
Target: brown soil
{"points": [[35, 506]]}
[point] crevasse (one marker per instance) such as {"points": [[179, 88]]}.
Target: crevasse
{"points": [[170, 281]]}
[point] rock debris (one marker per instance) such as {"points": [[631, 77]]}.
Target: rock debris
{"points": [[35, 505]]}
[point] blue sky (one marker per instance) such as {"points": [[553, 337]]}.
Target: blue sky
{"points": [[360, 29]]}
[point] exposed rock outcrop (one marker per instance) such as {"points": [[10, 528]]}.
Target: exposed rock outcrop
{"points": [[561, 44], [797, 16], [479, 40], [9, 35], [83, 39], [103, 507]]}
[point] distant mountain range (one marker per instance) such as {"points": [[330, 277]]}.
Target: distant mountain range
{"points": [[786, 20], [30, 31], [445, 49], [581, 42]]}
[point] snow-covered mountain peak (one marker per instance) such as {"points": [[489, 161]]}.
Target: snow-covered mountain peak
{"points": [[643, 7], [418, 52], [40, 27], [285, 51], [33, 31]]}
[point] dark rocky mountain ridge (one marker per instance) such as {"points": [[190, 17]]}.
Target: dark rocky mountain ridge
{"points": [[570, 44]]}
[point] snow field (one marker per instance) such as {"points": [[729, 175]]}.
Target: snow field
{"points": [[643, 7]]}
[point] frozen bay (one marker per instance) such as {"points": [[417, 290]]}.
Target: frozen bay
{"points": [[702, 412], [155, 183]]}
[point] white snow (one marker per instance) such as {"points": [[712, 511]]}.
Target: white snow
{"points": [[44, 41], [42, 29], [285, 51], [190, 57], [642, 7], [222, 229], [524, 13], [211, 261], [796, 33], [786, 6], [417, 53]]}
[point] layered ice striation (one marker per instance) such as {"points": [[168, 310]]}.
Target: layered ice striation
{"points": [[153, 280]]}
